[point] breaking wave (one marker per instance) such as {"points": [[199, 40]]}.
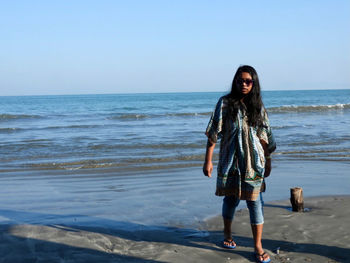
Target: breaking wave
{"points": [[308, 108], [18, 116]]}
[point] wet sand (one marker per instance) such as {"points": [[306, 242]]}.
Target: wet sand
{"points": [[172, 197], [319, 235]]}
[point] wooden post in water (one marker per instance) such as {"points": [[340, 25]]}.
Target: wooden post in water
{"points": [[297, 199]]}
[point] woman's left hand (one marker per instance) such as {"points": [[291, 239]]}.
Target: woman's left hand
{"points": [[267, 168]]}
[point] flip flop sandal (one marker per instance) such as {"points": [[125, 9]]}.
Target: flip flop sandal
{"points": [[257, 256], [231, 244]]}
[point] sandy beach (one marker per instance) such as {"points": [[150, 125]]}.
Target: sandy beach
{"points": [[319, 235]]}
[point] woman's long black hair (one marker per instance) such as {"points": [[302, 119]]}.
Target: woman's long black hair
{"points": [[252, 101]]}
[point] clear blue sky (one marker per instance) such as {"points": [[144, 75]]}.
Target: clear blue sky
{"points": [[78, 47]]}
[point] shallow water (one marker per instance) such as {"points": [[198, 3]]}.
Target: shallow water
{"points": [[173, 197]]}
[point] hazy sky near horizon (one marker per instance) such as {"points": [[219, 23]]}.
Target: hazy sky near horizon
{"points": [[83, 47]]}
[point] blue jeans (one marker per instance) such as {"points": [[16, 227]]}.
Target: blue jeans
{"points": [[256, 210]]}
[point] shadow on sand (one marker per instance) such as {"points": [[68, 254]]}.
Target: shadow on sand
{"points": [[79, 238]]}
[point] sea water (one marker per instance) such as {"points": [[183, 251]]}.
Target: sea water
{"points": [[129, 160], [133, 132]]}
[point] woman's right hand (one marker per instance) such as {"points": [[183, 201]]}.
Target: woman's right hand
{"points": [[208, 168], [208, 164]]}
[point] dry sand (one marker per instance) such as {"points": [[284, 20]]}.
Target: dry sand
{"points": [[320, 235]]}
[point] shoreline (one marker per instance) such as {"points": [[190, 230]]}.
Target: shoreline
{"points": [[319, 235], [175, 197]]}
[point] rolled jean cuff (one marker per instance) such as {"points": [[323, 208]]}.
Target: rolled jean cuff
{"points": [[256, 224]]}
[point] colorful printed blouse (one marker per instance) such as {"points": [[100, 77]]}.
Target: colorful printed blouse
{"points": [[241, 164]]}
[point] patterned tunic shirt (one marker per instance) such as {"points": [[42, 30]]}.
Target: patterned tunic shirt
{"points": [[241, 164]]}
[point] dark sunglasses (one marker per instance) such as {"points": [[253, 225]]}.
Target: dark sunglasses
{"points": [[248, 82]]}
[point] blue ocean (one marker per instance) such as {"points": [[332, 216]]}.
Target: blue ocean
{"points": [[135, 132], [129, 160]]}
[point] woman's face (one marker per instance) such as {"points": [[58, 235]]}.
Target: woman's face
{"points": [[245, 83]]}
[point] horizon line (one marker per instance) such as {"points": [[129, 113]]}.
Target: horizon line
{"points": [[169, 92]]}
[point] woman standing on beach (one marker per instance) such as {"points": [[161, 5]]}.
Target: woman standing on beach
{"points": [[241, 122]]}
